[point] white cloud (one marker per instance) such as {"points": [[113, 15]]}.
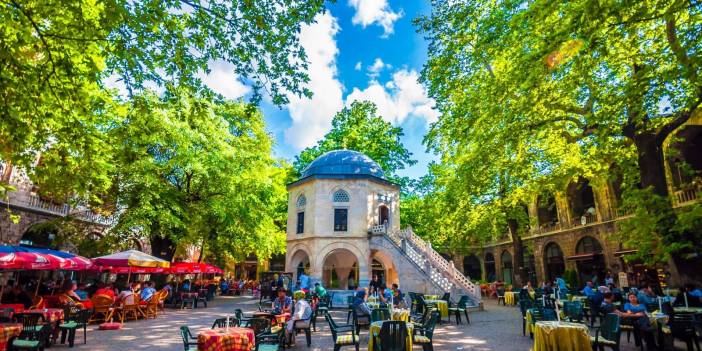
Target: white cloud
{"points": [[399, 98], [377, 66], [375, 11], [311, 118], [357, 66], [223, 80]]}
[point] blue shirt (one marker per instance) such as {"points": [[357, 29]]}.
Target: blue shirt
{"points": [[146, 293], [304, 281], [644, 299], [278, 305], [588, 290], [634, 309], [82, 294], [696, 293], [561, 283]]}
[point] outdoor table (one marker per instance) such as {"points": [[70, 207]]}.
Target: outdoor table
{"points": [[401, 315], [7, 331], [431, 297], [18, 307], [51, 315], [372, 299], [579, 298], [374, 330], [695, 310], [222, 339], [510, 298], [561, 336], [441, 305]]}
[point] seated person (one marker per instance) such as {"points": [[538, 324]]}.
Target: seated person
{"points": [[282, 303], [69, 296], [635, 312], [646, 295], [528, 287], [588, 290], [106, 289], [81, 291], [186, 286], [360, 306], [693, 291], [397, 296], [608, 304], [18, 296], [385, 295], [303, 312], [319, 290], [127, 296], [148, 292]]}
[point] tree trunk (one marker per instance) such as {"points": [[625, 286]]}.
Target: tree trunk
{"points": [[520, 275], [649, 150], [163, 247]]}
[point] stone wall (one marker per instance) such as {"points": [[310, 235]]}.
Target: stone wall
{"points": [[10, 232]]}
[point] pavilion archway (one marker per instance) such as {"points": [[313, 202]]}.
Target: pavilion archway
{"points": [[338, 268], [471, 267]]}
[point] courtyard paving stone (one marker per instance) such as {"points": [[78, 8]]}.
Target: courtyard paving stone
{"points": [[496, 328]]}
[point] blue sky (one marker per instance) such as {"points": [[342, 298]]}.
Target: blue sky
{"points": [[358, 50]]}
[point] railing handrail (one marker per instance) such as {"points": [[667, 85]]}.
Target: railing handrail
{"points": [[34, 201]]}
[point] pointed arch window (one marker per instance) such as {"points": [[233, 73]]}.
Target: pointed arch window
{"points": [[341, 196]]}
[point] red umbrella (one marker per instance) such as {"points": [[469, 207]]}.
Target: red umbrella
{"points": [[186, 267], [212, 269]]}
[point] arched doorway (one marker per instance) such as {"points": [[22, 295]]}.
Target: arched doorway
{"points": [[490, 274], [299, 262], [530, 267], [339, 266], [383, 266], [582, 202], [547, 212], [590, 261], [554, 261], [44, 234], [471, 267], [507, 268], [383, 215]]}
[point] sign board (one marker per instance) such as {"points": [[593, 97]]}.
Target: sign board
{"points": [[623, 280]]}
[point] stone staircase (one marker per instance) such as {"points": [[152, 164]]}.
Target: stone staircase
{"points": [[416, 258]]}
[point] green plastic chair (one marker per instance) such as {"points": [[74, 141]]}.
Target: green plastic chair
{"points": [[607, 334], [574, 311], [424, 334], [343, 335], [462, 305], [187, 336]]}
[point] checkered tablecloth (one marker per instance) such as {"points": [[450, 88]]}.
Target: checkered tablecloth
{"points": [[50, 314], [7, 331], [234, 339]]}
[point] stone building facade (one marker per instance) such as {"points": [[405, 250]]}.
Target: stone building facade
{"points": [[340, 197], [575, 228]]}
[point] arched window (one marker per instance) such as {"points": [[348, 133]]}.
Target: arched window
{"points": [[341, 196], [301, 201]]}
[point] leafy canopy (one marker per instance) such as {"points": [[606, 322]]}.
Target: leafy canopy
{"points": [[58, 58]]}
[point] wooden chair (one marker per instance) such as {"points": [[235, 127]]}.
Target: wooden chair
{"points": [[102, 308], [151, 307], [162, 296], [129, 308], [37, 302]]}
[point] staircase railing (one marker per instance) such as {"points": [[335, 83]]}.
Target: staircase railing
{"points": [[441, 271]]}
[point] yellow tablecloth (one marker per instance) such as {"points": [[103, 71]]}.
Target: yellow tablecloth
{"points": [[372, 299], [510, 297], [441, 305], [561, 336], [374, 330], [401, 315], [431, 297]]}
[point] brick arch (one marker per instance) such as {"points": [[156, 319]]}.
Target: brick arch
{"points": [[299, 247]]}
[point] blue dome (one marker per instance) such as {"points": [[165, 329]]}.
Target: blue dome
{"points": [[343, 162]]}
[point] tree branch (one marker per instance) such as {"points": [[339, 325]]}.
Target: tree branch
{"points": [[679, 51]]}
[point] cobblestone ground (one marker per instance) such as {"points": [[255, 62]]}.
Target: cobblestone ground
{"points": [[496, 328]]}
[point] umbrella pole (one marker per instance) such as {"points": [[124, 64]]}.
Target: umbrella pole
{"points": [[38, 283]]}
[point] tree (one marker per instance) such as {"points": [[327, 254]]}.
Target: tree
{"points": [[58, 59], [197, 172], [358, 127], [613, 79]]}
